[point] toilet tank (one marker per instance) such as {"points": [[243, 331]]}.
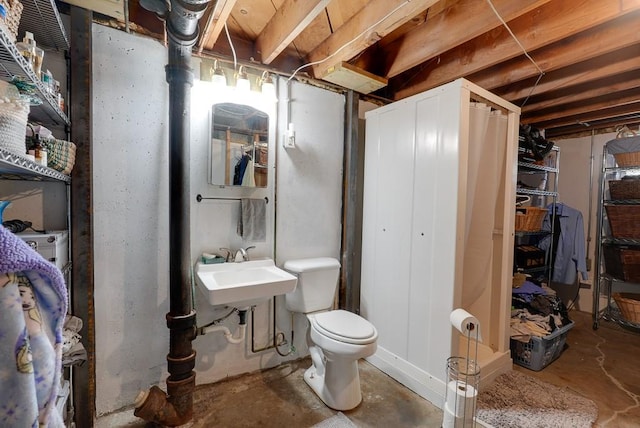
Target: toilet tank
{"points": [[317, 283]]}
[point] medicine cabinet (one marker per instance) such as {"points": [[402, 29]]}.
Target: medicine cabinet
{"points": [[239, 145]]}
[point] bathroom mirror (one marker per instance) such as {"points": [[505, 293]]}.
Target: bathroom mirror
{"points": [[239, 145]]}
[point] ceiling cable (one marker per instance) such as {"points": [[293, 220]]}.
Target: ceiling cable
{"points": [[514, 36], [521, 47], [352, 40], [235, 60]]}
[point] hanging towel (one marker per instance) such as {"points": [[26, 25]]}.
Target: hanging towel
{"points": [[34, 303], [252, 225]]}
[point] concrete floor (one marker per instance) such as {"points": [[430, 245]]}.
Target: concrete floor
{"points": [[601, 365]]}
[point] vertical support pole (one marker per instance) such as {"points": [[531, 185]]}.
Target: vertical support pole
{"points": [[80, 70], [353, 183]]}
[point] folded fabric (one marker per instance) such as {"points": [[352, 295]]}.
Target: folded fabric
{"points": [[75, 356], [34, 301], [70, 339], [528, 287]]}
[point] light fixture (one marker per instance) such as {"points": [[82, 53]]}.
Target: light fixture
{"points": [[242, 80], [217, 75], [268, 88]]}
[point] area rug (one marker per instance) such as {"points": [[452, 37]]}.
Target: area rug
{"points": [[516, 400], [339, 420]]}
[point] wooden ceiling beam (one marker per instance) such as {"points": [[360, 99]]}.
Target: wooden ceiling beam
{"points": [[377, 19], [616, 34], [541, 27], [579, 93], [617, 62], [612, 116], [595, 108], [214, 24], [461, 22], [288, 22], [607, 125]]}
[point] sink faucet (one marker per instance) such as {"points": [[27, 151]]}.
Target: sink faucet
{"points": [[228, 257], [242, 255]]}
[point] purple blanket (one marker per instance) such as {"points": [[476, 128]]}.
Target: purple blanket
{"points": [[33, 297]]}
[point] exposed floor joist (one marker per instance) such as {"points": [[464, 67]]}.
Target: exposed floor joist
{"points": [[586, 49]]}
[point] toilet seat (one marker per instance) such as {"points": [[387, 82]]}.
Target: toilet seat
{"points": [[344, 326]]}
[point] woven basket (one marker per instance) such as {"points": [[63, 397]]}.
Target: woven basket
{"points": [[13, 127], [624, 220], [624, 189], [12, 20], [627, 159], [61, 155], [629, 305], [529, 219], [622, 262]]}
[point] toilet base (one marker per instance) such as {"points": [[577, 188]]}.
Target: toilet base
{"points": [[339, 388]]}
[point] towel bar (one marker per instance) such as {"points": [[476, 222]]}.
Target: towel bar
{"points": [[199, 198]]}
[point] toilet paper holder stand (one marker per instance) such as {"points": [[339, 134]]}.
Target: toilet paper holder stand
{"points": [[463, 376]]}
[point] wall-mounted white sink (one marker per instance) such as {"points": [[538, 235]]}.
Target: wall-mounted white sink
{"points": [[243, 284]]}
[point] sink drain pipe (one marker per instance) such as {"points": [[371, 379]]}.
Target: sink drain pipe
{"points": [[176, 406]]}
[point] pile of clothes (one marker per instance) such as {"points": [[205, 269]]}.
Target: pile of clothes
{"points": [[535, 310], [73, 351]]}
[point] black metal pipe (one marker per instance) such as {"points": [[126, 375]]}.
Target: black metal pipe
{"points": [[176, 408]]}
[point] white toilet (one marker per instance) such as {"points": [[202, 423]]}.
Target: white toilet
{"points": [[337, 339]]}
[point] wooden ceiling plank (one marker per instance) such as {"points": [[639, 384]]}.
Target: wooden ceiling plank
{"points": [[541, 27], [287, 23], [378, 18], [617, 62], [340, 12], [584, 107], [608, 125], [579, 93], [601, 40], [611, 115], [460, 23], [215, 24]]}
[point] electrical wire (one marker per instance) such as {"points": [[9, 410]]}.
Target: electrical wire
{"points": [[575, 298], [219, 320], [350, 41], [523, 50], [233, 50]]}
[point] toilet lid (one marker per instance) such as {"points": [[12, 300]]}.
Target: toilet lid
{"points": [[345, 326]]}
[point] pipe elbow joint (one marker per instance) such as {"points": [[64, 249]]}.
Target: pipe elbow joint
{"points": [[153, 406]]}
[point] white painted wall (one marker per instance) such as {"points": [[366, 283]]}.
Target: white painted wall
{"points": [[131, 200]]}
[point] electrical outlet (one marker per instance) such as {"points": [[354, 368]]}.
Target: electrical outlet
{"points": [[289, 141]]}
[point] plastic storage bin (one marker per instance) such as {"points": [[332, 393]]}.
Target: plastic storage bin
{"points": [[53, 246], [539, 352]]}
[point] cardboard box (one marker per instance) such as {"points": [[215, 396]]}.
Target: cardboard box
{"points": [[53, 246]]}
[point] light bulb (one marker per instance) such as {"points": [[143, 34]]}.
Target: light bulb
{"points": [[268, 88], [242, 80]]}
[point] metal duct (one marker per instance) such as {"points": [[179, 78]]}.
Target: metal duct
{"points": [[176, 407]]}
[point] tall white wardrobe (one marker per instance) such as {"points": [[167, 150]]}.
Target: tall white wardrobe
{"points": [[438, 220]]}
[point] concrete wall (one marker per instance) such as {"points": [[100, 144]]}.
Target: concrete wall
{"points": [[131, 201], [578, 187]]}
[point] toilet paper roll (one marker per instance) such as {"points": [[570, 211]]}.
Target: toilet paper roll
{"points": [[465, 323], [449, 419], [461, 399]]}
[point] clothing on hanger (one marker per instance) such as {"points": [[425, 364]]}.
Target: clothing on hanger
{"points": [[569, 255]]}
